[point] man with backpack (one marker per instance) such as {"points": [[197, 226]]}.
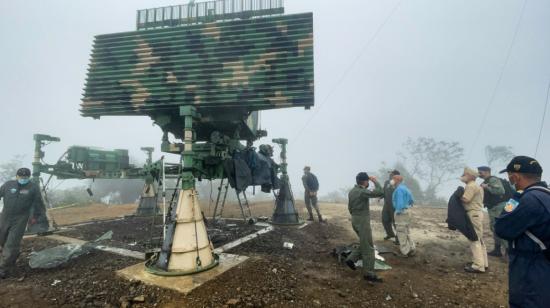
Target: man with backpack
{"points": [[525, 223], [496, 192], [311, 186]]}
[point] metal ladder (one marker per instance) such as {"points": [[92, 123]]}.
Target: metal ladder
{"points": [[223, 189]]}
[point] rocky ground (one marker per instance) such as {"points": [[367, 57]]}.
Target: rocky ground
{"points": [[306, 276]]}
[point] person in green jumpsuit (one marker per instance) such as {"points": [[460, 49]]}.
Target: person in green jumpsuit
{"points": [[21, 199], [358, 206]]}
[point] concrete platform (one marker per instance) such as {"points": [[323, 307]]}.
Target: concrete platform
{"points": [[183, 284]]}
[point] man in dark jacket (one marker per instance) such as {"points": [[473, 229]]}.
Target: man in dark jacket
{"points": [[311, 186], [388, 218], [525, 223], [21, 198]]}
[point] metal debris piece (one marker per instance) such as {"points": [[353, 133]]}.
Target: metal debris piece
{"points": [[58, 255], [288, 245]]}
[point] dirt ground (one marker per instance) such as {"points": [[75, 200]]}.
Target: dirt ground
{"points": [[306, 276], [79, 214]]}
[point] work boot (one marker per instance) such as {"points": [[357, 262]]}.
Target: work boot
{"points": [[495, 253], [470, 269], [373, 278], [351, 264], [310, 218], [321, 218]]}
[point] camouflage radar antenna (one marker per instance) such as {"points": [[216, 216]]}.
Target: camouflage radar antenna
{"points": [[202, 72]]}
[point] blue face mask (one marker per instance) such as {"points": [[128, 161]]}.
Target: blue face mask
{"points": [[23, 181]]}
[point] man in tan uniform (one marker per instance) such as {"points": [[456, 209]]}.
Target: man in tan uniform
{"points": [[473, 204]]}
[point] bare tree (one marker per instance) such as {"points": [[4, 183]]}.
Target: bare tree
{"points": [[498, 154], [432, 161], [9, 169]]}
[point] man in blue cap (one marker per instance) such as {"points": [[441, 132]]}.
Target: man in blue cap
{"points": [[21, 199], [525, 223]]}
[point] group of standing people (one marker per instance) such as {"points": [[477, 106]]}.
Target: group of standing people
{"points": [[519, 217], [399, 198]]}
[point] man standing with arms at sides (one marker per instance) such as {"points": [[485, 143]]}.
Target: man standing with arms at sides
{"points": [[402, 202], [525, 223], [388, 219], [311, 186], [358, 206], [494, 199], [473, 204], [21, 198]]}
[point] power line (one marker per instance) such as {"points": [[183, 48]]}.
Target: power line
{"points": [[497, 85], [348, 69], [543, 119]]}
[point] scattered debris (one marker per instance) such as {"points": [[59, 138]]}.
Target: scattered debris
{"points": [[233, 302], [56, 256], [388, 297], [288, 245], [56, 282], [139, 299]]}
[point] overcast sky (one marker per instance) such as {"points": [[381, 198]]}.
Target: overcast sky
{"points": [[430, 71]]}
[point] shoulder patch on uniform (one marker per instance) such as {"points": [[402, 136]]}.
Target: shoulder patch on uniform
{"points": [[510, 205]]}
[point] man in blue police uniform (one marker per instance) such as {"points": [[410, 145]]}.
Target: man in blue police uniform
{"points": [[525, 223]]}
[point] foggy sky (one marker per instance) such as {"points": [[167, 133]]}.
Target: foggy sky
{"points": [[429, 72]]}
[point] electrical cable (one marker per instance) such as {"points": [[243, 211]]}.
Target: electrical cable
{"points": [[350, 67], [499, 80], [543, 120]]}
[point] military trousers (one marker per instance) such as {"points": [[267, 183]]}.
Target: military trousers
{"points": [[479, 251], [361, 226], [311, 201], [495, 212], [402, 226], [12, 230], [388, 220]]}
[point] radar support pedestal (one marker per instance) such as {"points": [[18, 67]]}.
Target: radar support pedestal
{"points": [[285, 210], [186, 248]]}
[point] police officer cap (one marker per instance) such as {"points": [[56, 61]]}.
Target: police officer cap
{"points": [[484, 169], [24, 172], [524, 164], [361, 177], [395, 172]]}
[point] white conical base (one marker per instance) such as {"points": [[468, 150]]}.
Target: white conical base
{"points": [[190, 238]]}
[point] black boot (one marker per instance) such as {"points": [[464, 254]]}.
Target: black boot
{"points": [[373, 278], [496, 252], [351, 264]]}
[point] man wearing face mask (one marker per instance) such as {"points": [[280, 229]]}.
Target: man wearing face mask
{"points": [[359, 208], [472, 200], [21, 198], [525, 223], [388, 218]]}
